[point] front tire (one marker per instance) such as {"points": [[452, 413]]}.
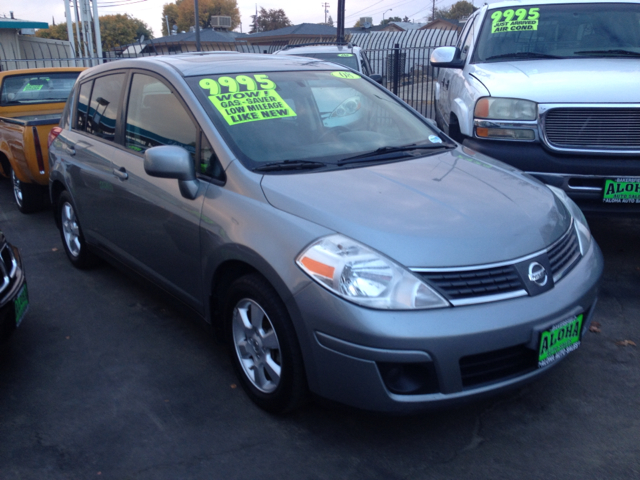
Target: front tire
{"points": [[72, 238], [264, 347], [29, 198]]}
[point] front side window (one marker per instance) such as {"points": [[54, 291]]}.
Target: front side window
{"points": [[37, 88], [156, 117], [103, 106], [559, 31], [83, 105], [321, 116]]}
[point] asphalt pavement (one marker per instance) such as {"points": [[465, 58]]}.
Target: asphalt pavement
{"points": [[109, 378]]}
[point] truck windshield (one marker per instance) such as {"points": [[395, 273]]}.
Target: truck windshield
{"points": [[309, 116], [37, 88], [535, 32]]}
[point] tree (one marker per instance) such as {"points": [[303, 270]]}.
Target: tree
{"points": [[169, 10], [206, 8], [115, 30], [386, 21], [122, 29], [458, 10], [330, 21], [57, 32], [269, 20]]}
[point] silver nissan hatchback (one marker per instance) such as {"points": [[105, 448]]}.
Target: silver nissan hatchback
{"points": [[340, 242]]}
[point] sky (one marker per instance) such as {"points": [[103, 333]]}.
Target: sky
{"points": [[150, 11]]}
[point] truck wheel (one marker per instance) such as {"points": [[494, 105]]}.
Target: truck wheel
{"points": [[71, 233], [264, 347], [29, 198]]}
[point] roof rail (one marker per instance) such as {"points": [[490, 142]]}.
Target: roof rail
{"points": [[347, 44]]}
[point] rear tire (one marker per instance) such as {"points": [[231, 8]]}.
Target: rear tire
{"points": [[71, 233], [263, 346], [29, 198]]}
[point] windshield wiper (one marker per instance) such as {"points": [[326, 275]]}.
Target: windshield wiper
{"points": [[289, 165], [609, 52], [389, 152], [523, 55]]}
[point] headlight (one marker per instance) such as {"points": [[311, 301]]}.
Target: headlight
{"points": [[505, 109], [363, 276], [579, 221]]}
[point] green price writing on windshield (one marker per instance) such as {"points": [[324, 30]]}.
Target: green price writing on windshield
{"points": [[515, 20], [258, 82], [246, 99]]}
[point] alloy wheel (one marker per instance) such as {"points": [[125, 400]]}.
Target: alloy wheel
{"points": [[256, 345]]}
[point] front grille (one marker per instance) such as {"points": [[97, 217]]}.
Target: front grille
{"points": [[497, 365], [476, 283], [564, 254], [8, 267], [593, 128]]}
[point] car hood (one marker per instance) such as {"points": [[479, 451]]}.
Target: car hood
{"points": [[445, 210], [580, 80]]}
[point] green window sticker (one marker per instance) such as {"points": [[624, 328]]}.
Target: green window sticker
{"points": [[247, 99], [345, 54], [32, 88], [347, 75], [515, 20]]}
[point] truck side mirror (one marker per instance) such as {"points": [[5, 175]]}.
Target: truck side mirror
{"points": [[446, 57]]}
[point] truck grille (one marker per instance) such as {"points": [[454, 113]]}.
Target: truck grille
{"points": [[593, 128]]}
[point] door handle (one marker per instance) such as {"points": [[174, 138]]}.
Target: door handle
{"points": [[72, 151], [121, 173]]}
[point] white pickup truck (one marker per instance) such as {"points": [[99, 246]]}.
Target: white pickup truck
{"points": [[552, 88]]}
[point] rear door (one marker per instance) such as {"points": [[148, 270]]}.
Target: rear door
{"points": [[89, 146]]}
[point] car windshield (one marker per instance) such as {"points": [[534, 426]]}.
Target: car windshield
{"points": [[37, 88], [347, 59], [559, 31], [311, 118]]}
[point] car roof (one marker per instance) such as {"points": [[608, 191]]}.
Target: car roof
{"points": [[218, 63], [514, 3]]}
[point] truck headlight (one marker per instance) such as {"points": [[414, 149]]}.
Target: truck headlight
{"points": [[505, 119], [506, 109], [365, 277]]}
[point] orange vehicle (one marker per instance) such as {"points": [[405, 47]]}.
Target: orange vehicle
{"points": [[31, 104]]}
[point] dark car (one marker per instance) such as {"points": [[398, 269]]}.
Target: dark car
{"points": [[14, 299]]}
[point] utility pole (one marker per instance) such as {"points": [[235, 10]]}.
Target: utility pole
{"points": [[325, 6], [433, 11], [198, 49], [340, 33]]}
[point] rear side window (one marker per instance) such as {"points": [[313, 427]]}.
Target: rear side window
{"points": [[156, 117], [83, 106], [103, 107]]}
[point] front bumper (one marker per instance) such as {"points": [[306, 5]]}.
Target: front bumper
{"points": [[582, 177], [369, 358]]}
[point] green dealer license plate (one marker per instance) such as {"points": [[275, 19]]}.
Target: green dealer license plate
{"points": [[622, 190], [21, 304], [559, 340]]}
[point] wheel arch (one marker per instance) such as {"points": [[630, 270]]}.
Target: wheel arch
{"points": [[55, 190]]}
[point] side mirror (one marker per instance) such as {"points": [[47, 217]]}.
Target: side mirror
{"points": [[173, 162], [376, 77], [446, 57]]}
